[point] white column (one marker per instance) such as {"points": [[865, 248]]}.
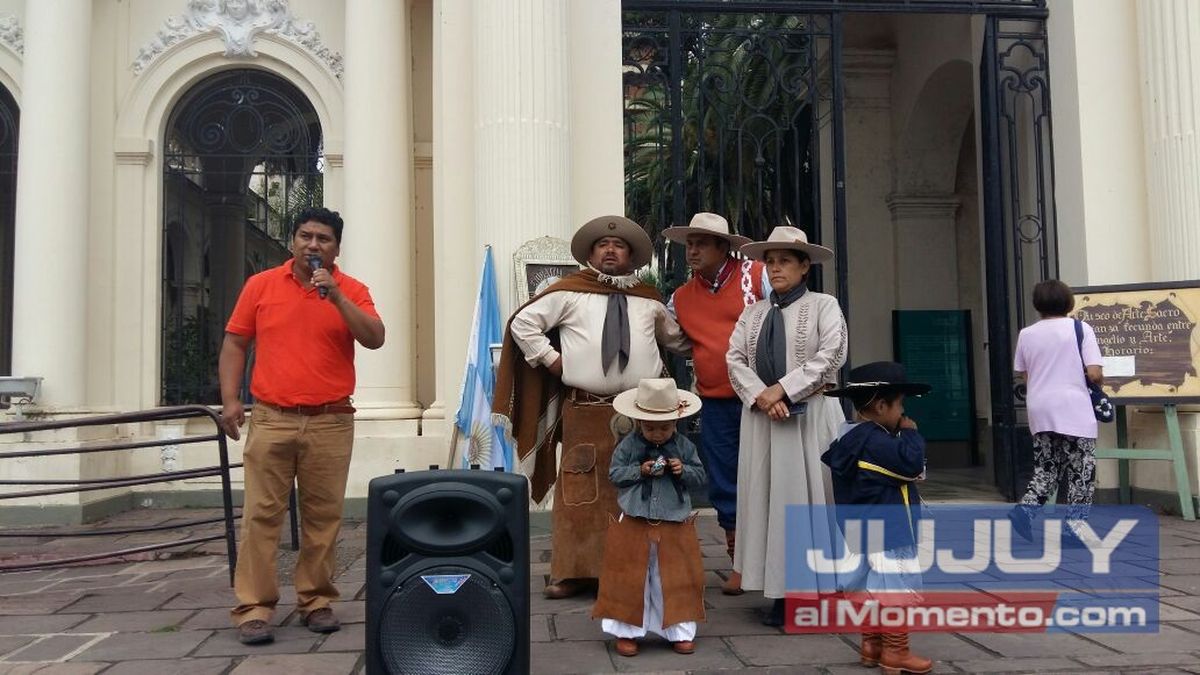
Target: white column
{"points": [[453, 197], [50, 255], [522, 129], [138, 285], [597, 109], [378, 187], [1169, 46], [1169, 37]]}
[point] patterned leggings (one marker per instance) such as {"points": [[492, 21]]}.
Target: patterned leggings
{"points": [[1056, 455]]}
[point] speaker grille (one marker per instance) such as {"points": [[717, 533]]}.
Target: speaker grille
{"points": [[468, 631]]}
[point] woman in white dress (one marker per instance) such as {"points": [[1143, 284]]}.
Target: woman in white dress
{"points": [[784, 352]]}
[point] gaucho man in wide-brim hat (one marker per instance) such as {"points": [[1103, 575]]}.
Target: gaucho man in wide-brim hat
{"points": [[567, 353], [707, 308]]}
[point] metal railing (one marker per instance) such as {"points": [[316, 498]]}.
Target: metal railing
{"points": [[64, 486]]}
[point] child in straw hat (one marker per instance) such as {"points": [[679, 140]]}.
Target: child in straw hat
{"points": [[652, 579]]}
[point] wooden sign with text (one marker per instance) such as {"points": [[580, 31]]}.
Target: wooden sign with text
{"points": [[1148, 338]]}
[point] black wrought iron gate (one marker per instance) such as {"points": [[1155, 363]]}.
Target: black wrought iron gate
{"points": [[1020, 230], [735, 106], [727, 111]]}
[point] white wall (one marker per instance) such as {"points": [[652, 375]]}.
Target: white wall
{"points": [[1100, 174], [597, 110], [1098, 144]]}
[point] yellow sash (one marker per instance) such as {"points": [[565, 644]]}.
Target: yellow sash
{"points": [[905, 480]]}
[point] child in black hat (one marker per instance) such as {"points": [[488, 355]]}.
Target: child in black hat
{"points": [[876, 462]]}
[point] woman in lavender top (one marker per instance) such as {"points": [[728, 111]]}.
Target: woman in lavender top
{"points": [[1054, 365]]}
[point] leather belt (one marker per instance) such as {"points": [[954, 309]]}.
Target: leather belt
{"points": [[340, 406], [581, 396]]}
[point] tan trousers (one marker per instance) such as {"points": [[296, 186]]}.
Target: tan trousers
{"points": [[313, 450]]}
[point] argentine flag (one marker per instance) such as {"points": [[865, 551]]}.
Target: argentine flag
{"points": [[479, 441]]}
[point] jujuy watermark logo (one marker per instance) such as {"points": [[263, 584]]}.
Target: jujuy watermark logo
{"points": [[991, 542], [965, 568]]}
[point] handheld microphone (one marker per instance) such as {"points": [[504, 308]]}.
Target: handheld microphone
{"points": [[314, 261]]}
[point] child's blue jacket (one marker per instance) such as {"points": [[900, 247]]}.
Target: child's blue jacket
{"points": [[871, 466]]}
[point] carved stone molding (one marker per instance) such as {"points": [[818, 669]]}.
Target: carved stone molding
{"points": [[11, 35], [239, 23], [927, 206], [133, 158], [868, 78]]}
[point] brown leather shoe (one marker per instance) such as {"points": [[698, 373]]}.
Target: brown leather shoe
{"points": [[627, 647], [322, 621], [733, 585], [255, 632], [564, 588], [683, 647]]}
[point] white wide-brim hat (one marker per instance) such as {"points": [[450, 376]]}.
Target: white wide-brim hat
{"points": [[657, 399], [790, 238], [641, 249], [710, 224]]}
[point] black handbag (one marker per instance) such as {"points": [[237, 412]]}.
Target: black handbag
{"points": [[1101, 406]]}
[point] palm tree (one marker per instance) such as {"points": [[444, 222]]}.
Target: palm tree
{"points": [[741, 140]]}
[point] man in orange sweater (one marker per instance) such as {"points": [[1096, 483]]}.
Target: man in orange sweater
{"points": [[707, 307]]}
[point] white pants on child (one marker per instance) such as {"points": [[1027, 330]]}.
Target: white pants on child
{"points": [[652, 612]]}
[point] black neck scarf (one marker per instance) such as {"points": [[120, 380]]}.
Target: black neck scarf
{"points": [[614, 343], [771, 354], [651, 452]]}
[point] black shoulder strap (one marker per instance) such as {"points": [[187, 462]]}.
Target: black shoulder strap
{"points": [[1079, 342]]}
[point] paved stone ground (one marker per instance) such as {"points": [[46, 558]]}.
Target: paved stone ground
{"points": [[168, 614]]}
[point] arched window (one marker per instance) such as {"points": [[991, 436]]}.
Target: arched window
{"points": [[9, 118], [242, 154]]}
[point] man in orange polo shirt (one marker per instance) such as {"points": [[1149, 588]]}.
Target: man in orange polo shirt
{"points": [[708, 307], [303, 318]]}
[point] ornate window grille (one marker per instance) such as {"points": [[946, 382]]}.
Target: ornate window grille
{"points": [[243, 156]]}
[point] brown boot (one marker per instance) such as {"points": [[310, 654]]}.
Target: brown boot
{"points": [[897, 660], [872, 648], [732, 585]]}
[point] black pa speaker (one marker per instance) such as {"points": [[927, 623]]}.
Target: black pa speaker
{"points": [[448, 573]]}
